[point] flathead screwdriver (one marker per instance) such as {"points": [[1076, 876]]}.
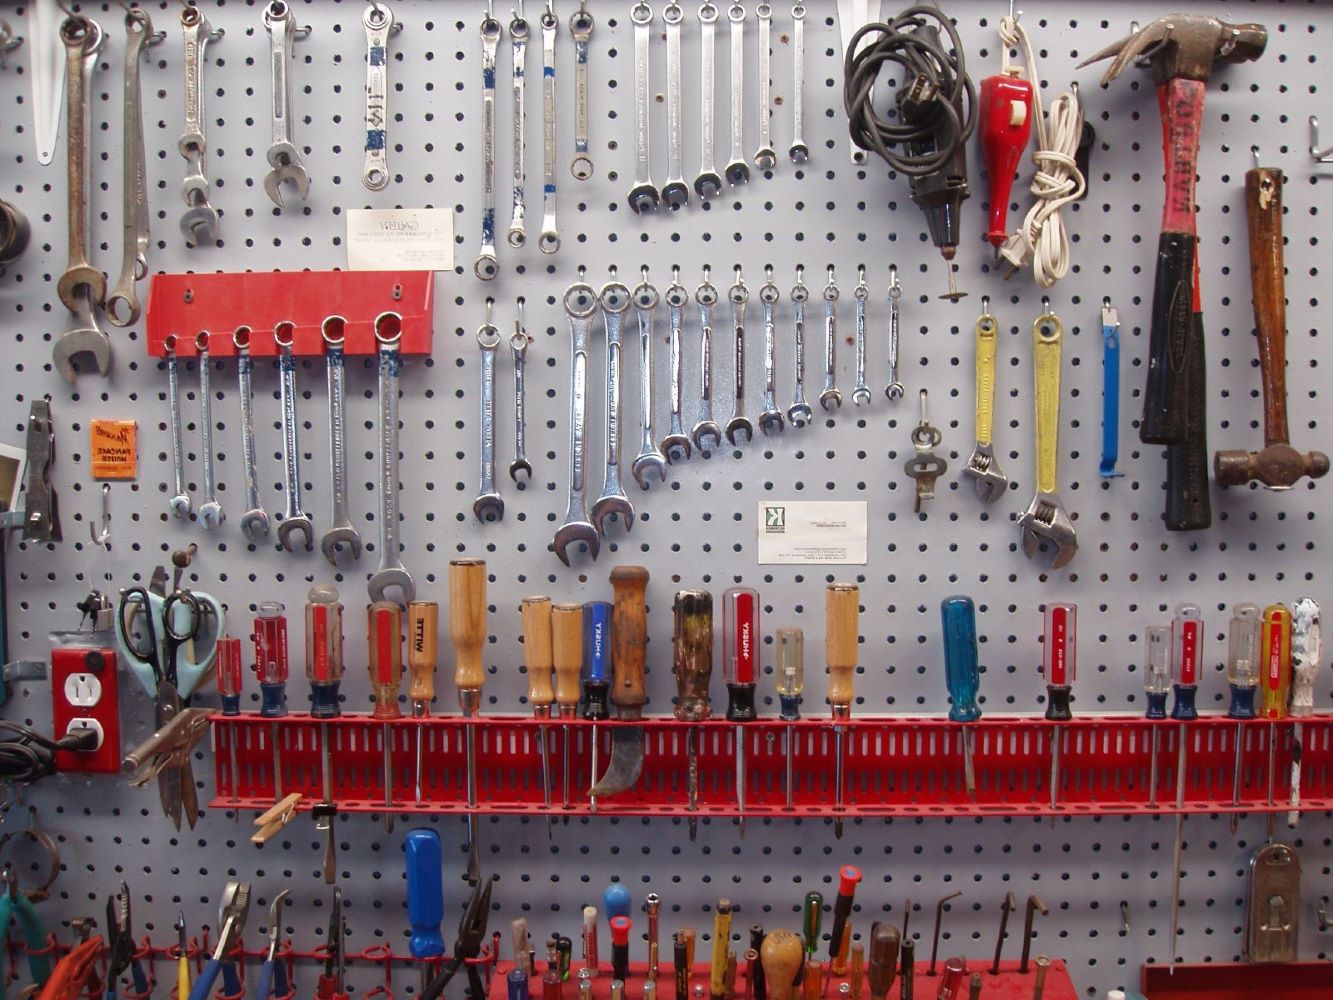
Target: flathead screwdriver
{"points": [[842, 631], [324, 669], [384, 630], [567, 657], [1275, 640], [740, 658], [541, 694], [423, 627], [425, 898], [1059, 661], [1187, 654], [962, 674], [1243, 679], [467, 630], [790, 672], [1156, 687]]}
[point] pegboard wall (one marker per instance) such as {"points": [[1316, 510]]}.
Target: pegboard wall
{"points": [[697, 530]]}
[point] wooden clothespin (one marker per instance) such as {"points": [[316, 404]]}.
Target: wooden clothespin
{"points": [[276, 818]]}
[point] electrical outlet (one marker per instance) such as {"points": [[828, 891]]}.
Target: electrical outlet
{"points": [[84, 695], [83, 690], [83, 722]]}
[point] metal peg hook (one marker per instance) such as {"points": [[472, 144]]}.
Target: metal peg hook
{"points": [[924, 421], [1254, 154], [1318, 155], [101, 531]]}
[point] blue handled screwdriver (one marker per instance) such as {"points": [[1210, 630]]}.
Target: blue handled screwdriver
{"points": [[1243, 677], [961, 673], [596, 673], [425, 898]]}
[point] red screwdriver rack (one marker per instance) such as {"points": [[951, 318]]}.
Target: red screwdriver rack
{"points": [[895, 766]]}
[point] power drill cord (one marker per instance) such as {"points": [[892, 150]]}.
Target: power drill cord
{"points": [[27, 756]]}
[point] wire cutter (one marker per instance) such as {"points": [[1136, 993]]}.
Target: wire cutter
{"points": [[232, 911], [467, 947], [120, 945], [13, 902], [331, 985]]}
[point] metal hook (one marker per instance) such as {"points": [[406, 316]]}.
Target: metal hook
{"points": [[1045, 305], [1318, 155], [102, 533], [985, 305], [1254, 152]]}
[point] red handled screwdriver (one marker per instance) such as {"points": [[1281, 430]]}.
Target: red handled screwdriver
{"points": [[1059, 660], [384, 632], [740, 658], [324, 670], [230, 677], [269, 637]]}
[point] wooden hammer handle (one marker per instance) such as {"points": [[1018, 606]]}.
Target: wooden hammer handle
{"points": [[1263, 211]]}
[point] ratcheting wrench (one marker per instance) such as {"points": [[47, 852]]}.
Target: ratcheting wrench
{"points": [[989, 480], [765, 158], [485, 266], [675, 192], [615, 299], [549, 240], [650, 457], [254, 521], [488, 506], [831, 397], [798, 151], [518, 41], [390, 573], [739, 423], [676, 444], [737, 170], [771, 419], [705, 427], [580, 301], [340, 531], [861, 394], [799, 413], [180, 503], [518, 349], [211, 514], [295, 519], [709, 182], [580, 27], [199, 224], [379, 25], [643, 196], [894, 390], [284, 158]]}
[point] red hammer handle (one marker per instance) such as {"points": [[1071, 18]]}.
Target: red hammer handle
{"points": [[1263, 212]]}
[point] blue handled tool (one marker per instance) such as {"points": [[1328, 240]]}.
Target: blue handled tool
{"points": [[616, 901], [962, 675], [596, 674], [272, 974], [232, 911], [1110, 390], [425, 898]]}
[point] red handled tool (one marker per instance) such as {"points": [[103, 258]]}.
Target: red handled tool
{"points": [[740, 659], [1005, 128]]}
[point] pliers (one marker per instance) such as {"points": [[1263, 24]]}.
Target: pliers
{"points": [[471, 933], [273, 974], [120, 945], [331, 985], [232, 912], [13, 902]]}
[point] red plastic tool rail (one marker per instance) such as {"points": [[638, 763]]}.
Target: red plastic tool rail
{"points": [[185, 305], [895, 766], [1239, 981]]}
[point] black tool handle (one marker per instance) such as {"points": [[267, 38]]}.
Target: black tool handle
{"points": [[1169, 341], [1187, 503]]}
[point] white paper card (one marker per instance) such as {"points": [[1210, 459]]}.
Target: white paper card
{"points": [[407, 239], [812, 532]]}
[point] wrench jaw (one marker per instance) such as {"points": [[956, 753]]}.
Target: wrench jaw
{"points": [[704, 430], [612, 503], [770, 421], [388, 578], [74, 343], [211, 515], [675, 194], [643, 198], [765, 159], [574, 531], [861, 395], [1045, 522], [334, 541], [489, 508], [181, 507], [708, 184], [799, 413], [199, 223], [647, 462], [520, 466], [676, 446], [254, 523], [989, 480], [290, 526], [737, 172], [830, 400], [287, 166], [739, 425]]}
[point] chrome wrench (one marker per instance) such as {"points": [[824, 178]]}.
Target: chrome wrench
{"points": [[798, 151], [580, 302], [180, 503], [737, 170], [294, 519], [650, 457], [284, 159], [211, 514], [83, 40], [831, 397], [340, 532], [485, 266], [675, 192], [488, 507], [706, 296], [518, 41], [643, 196], [676, 445], [894, 390], [861, 394], [518, 349], [254, 521], [771, 419], [379, 24], [765, 158], [199, 224], [549, 241], [799, 413], [709, 182], [739, 423], [615, 299], [390, 572], [580, 26]]}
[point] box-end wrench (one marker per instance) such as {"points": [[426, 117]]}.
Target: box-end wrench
{"points": [[485, 266], [199, 223], [580, 27], [643, 197], [861, 394], [488, 507], [771, 419], [211, 514], [390, 573], [705, 427], [83, 39], [580, 302], [340, 533], [284, 158], [799, 413], [180, 503], [650, 457], [518, 349], [294, 519], [549, 240], [676, 444], [254, 522], [739, 423], [831, 397], [615, 299], [519, 29], [798, 151], [709, 182], [894, 390], [737, 170], [379, 24], [765, 158], [675, 192]]}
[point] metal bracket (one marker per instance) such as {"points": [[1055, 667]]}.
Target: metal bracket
{"points": [[1318, 155]]}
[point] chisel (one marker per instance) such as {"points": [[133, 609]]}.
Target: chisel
{"points": [[1187, 652], [692, 654], [537, 657], [962, 675], [384, 631], [1243, 678], [791, 681], [467, 630], [596, 677], [842, 630], [1059, 661], [324, 669], [423, 626], [425, 898], [567, 657], [1275, 645], [1156, 687], [740, 657]]}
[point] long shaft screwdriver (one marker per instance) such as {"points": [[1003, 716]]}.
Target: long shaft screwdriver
{"points": [[791, 682], [1187, 652], [423, 627], [1156, 687], [1275, 639], [1243, 679], [567, 657], [324, 669], [692, 652], [1059, 661], [740, 657], [467, 630], [537, 655], [425, 898], [962, 675], [384, 629], [842, 629], [1306, 657], [596, 678]]}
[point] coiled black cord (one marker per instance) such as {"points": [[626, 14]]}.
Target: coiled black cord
{"points": [[27, 756]]}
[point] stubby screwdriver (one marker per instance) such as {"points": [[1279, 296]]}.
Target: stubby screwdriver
{"points": [[812, 917], [425, 898], [791, 682], [467, 629], [848, 877], [231, 675], [1243, 679], [537, 656], [423, 628], [324, 670], [842, 631], [1059, 660], [1186, 652], [1156, 687], [620, 928], [567, 657], [962, 675], [596, 677], [384, 633], [740, 656]]}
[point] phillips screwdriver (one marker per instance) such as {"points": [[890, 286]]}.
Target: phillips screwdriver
{"points": [[596, 677], [1156, 686], [884, 941], [717, 971], [692, 653], [848, 877], [1243, 679], [1059, 660], [962, 674], [425, 898], [842, 630], [680, 966], [1306, 654], [1275, 640], [537, 657], [269, 637], [567, 657], [1186, 652], [384, 632], [324, 670], [423, 628], [740, 654], [620, 928], [230, 679], [467, 629], [791, 681], [781, 956]]}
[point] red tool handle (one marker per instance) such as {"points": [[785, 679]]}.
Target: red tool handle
{"points": [[1005, 126]]}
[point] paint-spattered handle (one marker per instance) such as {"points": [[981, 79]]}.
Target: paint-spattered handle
{"points": [[629, 636], [1263, 212]]}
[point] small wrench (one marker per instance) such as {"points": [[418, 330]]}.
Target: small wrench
{"points": [[675, 192], [709, 182], [615, 299], [705, 428], [799, 413], [580, 303], [765, 158], [989, 480], [390, 572], [199, 224], [549, 240], [211, 514], [283, 156], [379, 24], [580, 27], [518, 41], [180, 503], [488, 506], [894, 390], [485, 267], [771, 419], [676, 445], [518, 349], [650, 457], [643, 196], [798, 151], [295, 519], [737, 170], [83, 39], [861, 394], [340, 531], [830, 398], [254, 521], [739, 423]]}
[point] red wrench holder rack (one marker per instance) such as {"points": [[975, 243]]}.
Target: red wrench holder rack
{"points": [[895, 766]]}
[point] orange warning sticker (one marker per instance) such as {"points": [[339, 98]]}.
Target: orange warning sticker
{"points": [[115, 449]]}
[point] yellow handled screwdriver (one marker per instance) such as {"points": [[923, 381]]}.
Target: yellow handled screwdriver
{"points": [[538, 657], [467, 629], [423, 626]]}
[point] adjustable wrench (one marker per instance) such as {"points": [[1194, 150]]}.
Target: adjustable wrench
{"points": [[894, 390], [799, 413], [771, 419], [180, 503], [211, 514], [485, 266], [1045, 520], [283, 156], [390, 572], [982, 467], [580, 27], [518, 40], [199, 224], [676, 445], [83, 40], [706, 296], [340, 531], [765, 158], [737, 170], [580, 303], [830, 398], [379, 24], [549, 241], [739, 423], [709, 182], [861, 394], [488, 506], [798, 150], [255, 519], [643, 196], [518, 349], [650, 457], [294, 519], [675, 192], [615, 299]]}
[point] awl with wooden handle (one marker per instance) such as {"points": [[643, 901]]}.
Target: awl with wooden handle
{"points": [[842, 628]]}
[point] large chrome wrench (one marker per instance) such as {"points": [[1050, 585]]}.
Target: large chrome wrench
{"points": [[771, 419], [340, 532], [199, 224], [294, 518], [709, 182], [580, 26], [675, 192], [549, 240], [379, 24], [650, 457], [643, 196], [390, 573], [799, 413], [83, 40], [861, 394], [284, 158], [488, 507], [485, 266], [254, 522], [615, 299], [765, 158], [580, 303], [211, 514], [676, 444], [739, 423], [737, 170], [180, 503], [519, 30], [798, 151], [705, 427]]}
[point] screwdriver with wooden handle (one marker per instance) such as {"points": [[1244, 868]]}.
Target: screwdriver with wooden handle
{"points": [[781, 955], [541, 694], [567, 657], [467, 631], [384, 631], [842, 627], [692, 654], [423, 626]]}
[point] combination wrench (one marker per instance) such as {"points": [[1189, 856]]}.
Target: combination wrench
{"points": [[675, 192], [765, 158], [284, 159], [894, 390], [615, 299], [211, 514], [390, 573], [485, 266], [83, 39], [254, 522], [861, 394], [739, 423], [340, 532], [643, 196], [549, 240], [379, 24], [706, 296], [294, 519], [676, 444], [199, 223], [798, 151], [580, 27], [737, 170], [771, 419], [580, 302], [799, 413], [650, 457], [180, 503], [518, 350], [831, 397], [488, 506], [709, 182], [518, 41]]}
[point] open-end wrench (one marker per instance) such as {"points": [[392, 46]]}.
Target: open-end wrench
{"points": [[799, 413], [199, 223], [122, 305], [340, 532], [771, 419], [519, 29], [390, 573], [737, 170], [83, 40], [580, 303], [379, 24], [643, 197], [488, 506], [982, 467], [739, 423], [485, 266], [615, 299], [580, 27], [518, 349], [675, 192], [549, 240], [705, 427], [798, 151], [180, 503], [709, 182], [284, 158], [861, 394], [831, 397], [211, 514], [1045, 519], [294, 519], [894, 390], [254, 522], [81, 336], [765, 158], [650, 457], [676, 444]]}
